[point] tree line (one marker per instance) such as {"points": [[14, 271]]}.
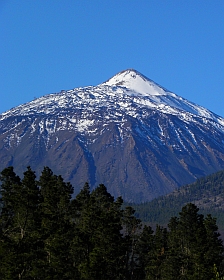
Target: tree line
{"points": [[47, 234], [207, 193]]}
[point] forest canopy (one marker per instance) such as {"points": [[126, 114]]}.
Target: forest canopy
{"points": [[47, 234]]}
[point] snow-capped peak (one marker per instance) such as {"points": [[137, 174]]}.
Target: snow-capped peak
{"points": [[135, 81], [128, 92]]}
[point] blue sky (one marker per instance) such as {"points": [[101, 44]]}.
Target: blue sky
{"points": [[53, 45]]}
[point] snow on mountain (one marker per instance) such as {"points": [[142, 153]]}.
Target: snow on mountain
{"points": [[127, 94], [136, 82], [121, 91], [127, 131], [139, 85]]}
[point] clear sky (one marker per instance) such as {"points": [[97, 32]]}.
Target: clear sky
{"points": [[53, 45]]}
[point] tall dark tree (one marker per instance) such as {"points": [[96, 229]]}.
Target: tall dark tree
{"points": [[194, 246], [145, 246], [98, 239], [131, 227], [44, 234], [29, 222], [56, 226], [10, 186], [173, 262], [214, 246], [157, 255], [20, 224], [192, 242]]}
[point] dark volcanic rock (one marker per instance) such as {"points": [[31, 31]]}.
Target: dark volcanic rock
{"points": [[128, 133]]}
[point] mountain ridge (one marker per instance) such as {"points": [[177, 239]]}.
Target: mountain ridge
{"points": [[207, 193], [140, 145], [158, 103]]}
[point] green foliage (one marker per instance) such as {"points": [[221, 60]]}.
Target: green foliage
{"points": [[207, 193], [194, 245], [217, 276], [20, 223], [56, 226], [45, 234], [97, 244]]}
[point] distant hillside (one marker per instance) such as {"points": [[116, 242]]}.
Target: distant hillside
{"points": [[207, 193]]}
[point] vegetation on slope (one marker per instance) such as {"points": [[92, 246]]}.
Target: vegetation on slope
{"points": [[207, 193], [44, 234]]}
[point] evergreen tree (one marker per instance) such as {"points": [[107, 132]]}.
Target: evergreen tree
{"points": [[157, 254], [19, 224], [145, 245], [10, 183], [46, 235], [192, 242], [56, 226], [214, 246], [174, 255], [194, 246], [29, 222], [97, 244], [131, 230]]}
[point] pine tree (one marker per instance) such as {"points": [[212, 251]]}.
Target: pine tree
{"points": [[213, 255], [145, 245], [97, 244], [131, 230], [194, 246], [19, 224], [174, 255], [10, 183], [157, 255], [29, 222], [56, 226], [193, 236], [44, 234]]}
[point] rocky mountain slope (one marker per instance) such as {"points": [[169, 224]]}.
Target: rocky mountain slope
{"points": [[129, 133], [207, 193]]}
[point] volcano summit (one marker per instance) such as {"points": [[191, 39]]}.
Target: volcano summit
{"points": [[129, 133]]}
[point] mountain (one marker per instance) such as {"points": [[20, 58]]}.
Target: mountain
{"points": [[129, 133], [207, 193]]}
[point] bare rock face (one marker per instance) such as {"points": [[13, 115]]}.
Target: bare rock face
{"points": [[128, 133]]}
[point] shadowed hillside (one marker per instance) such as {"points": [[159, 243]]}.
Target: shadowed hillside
{"points": [[207, 193]]}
